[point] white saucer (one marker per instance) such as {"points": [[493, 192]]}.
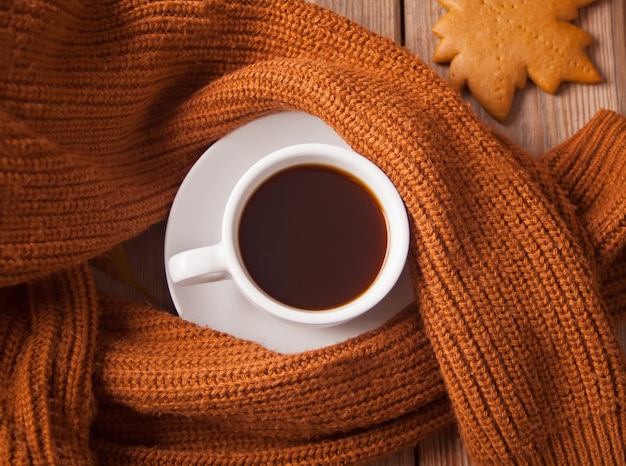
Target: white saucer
{"points": [[194, 221]]}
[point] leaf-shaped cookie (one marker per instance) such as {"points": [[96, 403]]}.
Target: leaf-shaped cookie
{"points": [[494, 45]]}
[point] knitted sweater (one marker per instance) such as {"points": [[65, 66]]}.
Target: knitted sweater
{"points": [[518, 264]]}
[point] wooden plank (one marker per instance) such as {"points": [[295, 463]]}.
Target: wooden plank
{"points": [[539, 121], [381, 16], [443, 448]]}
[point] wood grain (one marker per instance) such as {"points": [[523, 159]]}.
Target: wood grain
{"points": [[381, 16], [537, 122]]}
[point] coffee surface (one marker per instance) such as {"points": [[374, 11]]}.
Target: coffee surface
{"points": [[313, 237]]}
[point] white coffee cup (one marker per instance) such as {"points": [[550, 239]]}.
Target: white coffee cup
{"points": [[223, 260]]}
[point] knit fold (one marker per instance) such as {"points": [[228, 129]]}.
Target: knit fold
{"points": [[591, 167], [230, 395], [199, 443], [206, 374], [518, 264], [48, 346]]}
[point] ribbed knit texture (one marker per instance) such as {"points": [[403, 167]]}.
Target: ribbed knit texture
{"points": [[518, 264]]}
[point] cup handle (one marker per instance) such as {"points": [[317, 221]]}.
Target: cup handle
{"points": [[200, 265]]}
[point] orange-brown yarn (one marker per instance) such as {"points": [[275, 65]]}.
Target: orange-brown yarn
{"points": [[518, 264]]}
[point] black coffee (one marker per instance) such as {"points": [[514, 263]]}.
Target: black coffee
{"points": [[313, 237]]}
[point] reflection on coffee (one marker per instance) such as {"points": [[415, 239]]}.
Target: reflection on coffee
{"points": [[313, 237]]}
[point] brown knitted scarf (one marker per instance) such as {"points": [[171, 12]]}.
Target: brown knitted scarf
{"points": [[518, 264]]}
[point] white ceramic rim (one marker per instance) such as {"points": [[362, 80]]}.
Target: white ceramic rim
{"points": [[342, 159]]}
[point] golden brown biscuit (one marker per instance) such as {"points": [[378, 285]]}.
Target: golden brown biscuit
{"points": [[494, 45]]}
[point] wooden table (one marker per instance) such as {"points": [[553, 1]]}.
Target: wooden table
{"points": [[537, 122]]}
